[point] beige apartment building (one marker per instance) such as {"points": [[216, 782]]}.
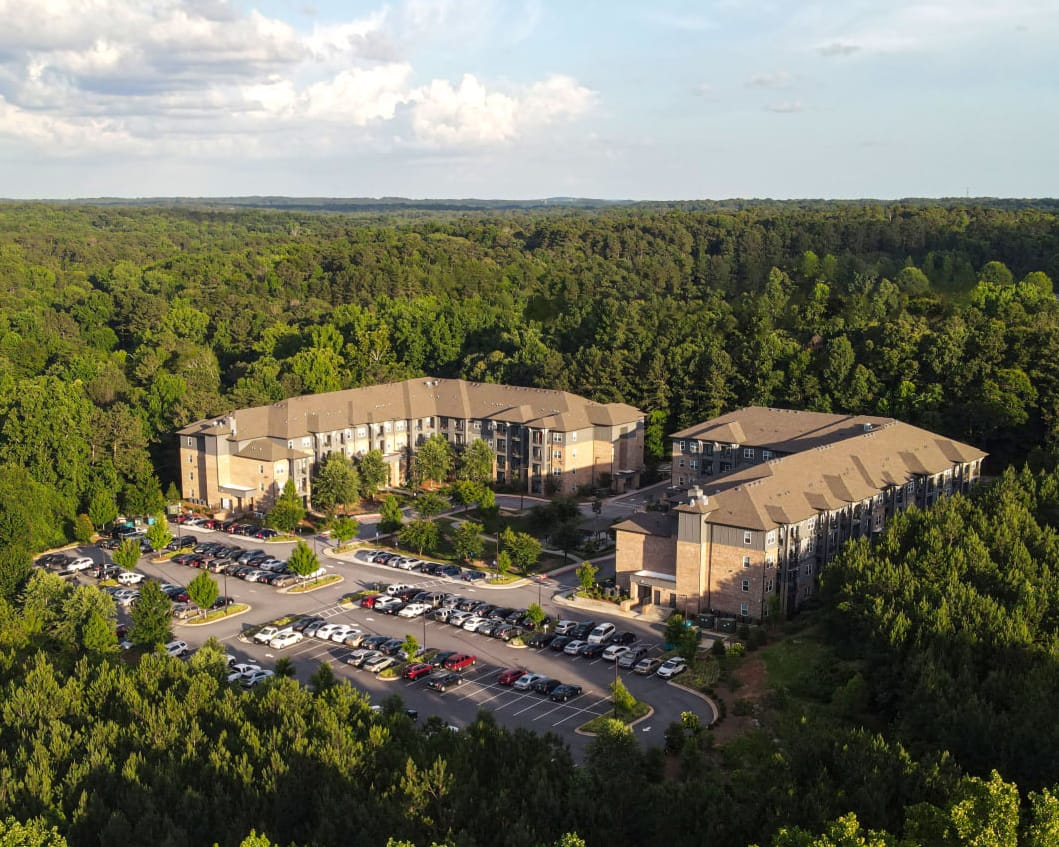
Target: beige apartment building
{"points": [[542, 440], [771, 497]]}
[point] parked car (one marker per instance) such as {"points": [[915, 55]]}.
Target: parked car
{"points": [[324, 632], [340, 632], [546, 685], [562, 693], [506, 631], [286, 638], [418, 670], [472, 576], [509, 676], [354, 638], [573, 648], [438, 659], [311, 628], [565, 627], [583, 629], [82, 563], [559, 642], [305, 623], [385, 604], [378, 664], [542, 639], [460, 661], [625, 638], [444, 682], [254, 677], [450, 571], [369, 601], [176, 648], [237, 671], [672, 667], [615, 652], [130, 578], [472, 623], [397, 588], [603, 633], [414, 610], [632, 655], [593, 651], [265, 634], [367, 656], [110, 571], [647, 665], [525, 682], [355, 656]]}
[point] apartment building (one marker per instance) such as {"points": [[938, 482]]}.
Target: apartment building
{"points": [[542, 440], [774, 495]]}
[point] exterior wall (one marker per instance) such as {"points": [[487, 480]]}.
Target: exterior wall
{"points": [[695, 461]]}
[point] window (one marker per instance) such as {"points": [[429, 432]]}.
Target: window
{"points": [[281, 468], [748, 452], [557, 438], [191, 460], [770, 539], [708, 449], [573, 436], [261, 486], [809, 569], [400, 426], [683, 446], [476, 426], [725, 467], [307, 442], [680, 480], [361, 432], [191, 441], [707, 468], [191, 476], [746, 561], [557, 454], [768, 586], [501, 445], [290, 445], [693, 447], [766, 455], [748, 537], [744, 610], [694, 464], [444, 422], [501, 426], [911, 488], [260, 468], [682, 462], [557, 471], [746, 585], [769, 562]]}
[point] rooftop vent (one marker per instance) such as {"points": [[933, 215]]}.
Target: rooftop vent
{"points": [[867, 427]]}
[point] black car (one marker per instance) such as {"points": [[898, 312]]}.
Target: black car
{"points": [[431, 568], [374, 642], [445, 681], [106, 571], [562, 693], [592, 651], [582, 630], [559, 643], [391, 647], [546, 685], [542, 639], [438, 659], [300, 626], [624, 638], [450, 570], [221, 602], [508, 631]]}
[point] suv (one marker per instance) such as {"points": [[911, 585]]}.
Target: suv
{"points": [[602, 633], [176, 648]]}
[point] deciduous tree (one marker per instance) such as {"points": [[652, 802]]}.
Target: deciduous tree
{"points": [[288, 511], [203, 590], [151, 616]]}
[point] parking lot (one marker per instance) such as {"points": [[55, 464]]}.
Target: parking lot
{"points": [[457, 706]]}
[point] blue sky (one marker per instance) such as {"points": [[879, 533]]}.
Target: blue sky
{"points": [[529, 98]]}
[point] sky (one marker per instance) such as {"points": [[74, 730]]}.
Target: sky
{"points": [[519, 99]]}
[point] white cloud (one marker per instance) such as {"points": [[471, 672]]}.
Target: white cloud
{"points": [[838, 48], [779, 79], [786, 107], [181, 75]]}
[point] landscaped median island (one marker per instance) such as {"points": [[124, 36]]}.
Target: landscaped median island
{"points": [[218, 615], [320, 582], [626, 712]]}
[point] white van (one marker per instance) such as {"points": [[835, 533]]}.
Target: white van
{"points": [[602, 633]]}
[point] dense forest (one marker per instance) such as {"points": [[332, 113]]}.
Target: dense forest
{"points": [[119, 324]]}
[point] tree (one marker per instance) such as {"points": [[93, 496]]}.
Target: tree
{"points": [[203, 591], [288, 512], [303, 560], [284, 668], [410, 647], [33, 833], [102, 509], [323, 678], [151, 617], [16, 565], [374, 472], [467, 540], [98, 635], [844, 832], [476, 463], [390, 515], [624, 702], [127, 555], [337, 483], [536, 614], [503, 562], [566, 537], [524, 549], [344, 529], [420, 535], [158, 533], [430, 505], [88, 620], [83, 530], [586, 575], [433, 459]]}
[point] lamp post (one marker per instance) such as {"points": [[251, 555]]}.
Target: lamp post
{"points": [[225, 572]]}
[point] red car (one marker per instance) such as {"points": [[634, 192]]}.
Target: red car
{"points": [[370, 601], [509, 676], [460, 661], [417, 670]]}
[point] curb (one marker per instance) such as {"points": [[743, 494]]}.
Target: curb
{"points": [[588, 734], [709, 700], [192, 623], [310, 590]]}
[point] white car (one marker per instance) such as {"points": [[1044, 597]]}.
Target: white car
{"points": [[82, 564], [671, 667], [266, 634], [126, 597], [408, 563], [525, 682], [384, 603], [615, 652], [602, 633], [472, 623], [565, 627], [324, 633], [340, 632], [397, 588], [574, 647], [130, 578], [286, 638], [319, 572], [254, 677], [237, 671], [176, 648], [414, 610], [456, 618]]}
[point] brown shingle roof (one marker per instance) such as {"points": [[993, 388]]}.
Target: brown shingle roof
{"points": [[782, 430], [796, 487], [418, 398]]}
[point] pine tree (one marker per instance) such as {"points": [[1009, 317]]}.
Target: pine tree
{"points": [[151, 617]]}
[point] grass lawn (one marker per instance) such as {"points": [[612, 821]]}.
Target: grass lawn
{"points": [[789, 660], [217, 615], [596, 724]]}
